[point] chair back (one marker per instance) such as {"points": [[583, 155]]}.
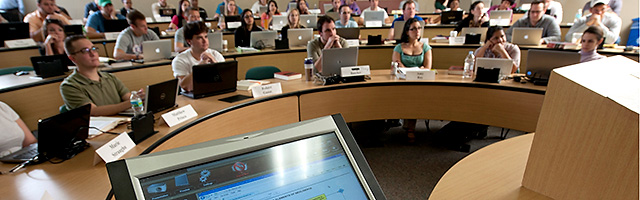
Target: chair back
{"points": [[12, 70], [259, 73]]}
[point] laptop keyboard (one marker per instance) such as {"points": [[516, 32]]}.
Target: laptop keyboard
{"points": [[27, 154]]}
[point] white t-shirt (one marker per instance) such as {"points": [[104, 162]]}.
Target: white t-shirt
{"points": [[11, 136], [256, 7], [369, 9], [183, 63]]}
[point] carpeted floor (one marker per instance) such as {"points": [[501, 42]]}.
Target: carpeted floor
{"points": [[411, 171]]}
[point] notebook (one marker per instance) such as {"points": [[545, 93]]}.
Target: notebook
{"points": [[213, 79], [541, 62], [309, 21], [116, 25], [336, 58], [500, 18], [482, 31], [158, 97], [372, 18], [299, 37], [49, 66], [61, 136], [505, 65], [153, 50], [13, 31], [526, 36], [279, 21], [348, 33], [263, 39], [450, 17]]}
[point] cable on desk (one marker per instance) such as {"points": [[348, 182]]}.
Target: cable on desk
{"points": [[91, 127]]}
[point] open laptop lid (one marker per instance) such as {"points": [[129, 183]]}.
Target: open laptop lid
{"points": [[450, 17], [299, 37], [167, 12], [505, 65], [73, 29], [336, 58], [64, 134], [279, 21], [482, 31], [156, 49], [348, 33], [215, 41], [541, 62], [232, 22], [49, 66], [316, 158], [500, 17], [526, 36], [263, 39], [13, 31], [309, 21], [115, 25], [161, 96], [214, 78], [377, 15]]}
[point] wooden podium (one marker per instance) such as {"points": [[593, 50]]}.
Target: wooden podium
{"points": [[586, 141]]}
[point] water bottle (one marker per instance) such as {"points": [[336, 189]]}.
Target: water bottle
{"points": [[468, 65], [308, 69], [136, 104], [578, 15]]}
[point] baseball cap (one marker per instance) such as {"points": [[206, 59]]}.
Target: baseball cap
{"points": [[103, 3], [596, 2]]}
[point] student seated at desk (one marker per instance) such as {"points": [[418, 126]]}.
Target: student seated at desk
{"points": [[408, 12], [476, 17], [336, 6], [328, 39], [229, 9], [536, 18], [496, 46], [161, 4], [86, 85], [201, 11], [345, 18], [243, 33], [178, 20], [373, 6], [609, 22], [293, 18], [46, 10], [302, 7], [15, 133], [129, 42], [179, 44], [95, 24], [267, 17], [54, 36], [352, 5], [591, 39], [221, 9], [128, 7], [196, 35]]}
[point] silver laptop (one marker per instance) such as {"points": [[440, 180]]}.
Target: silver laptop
{"points": [[500, 18], [309, 21], [374, 16], [399, 25], [336, 58], [292, 5], [215, 41], [263, 9], [505, 65], [482, 31], [526, 36], [263, 39], [334, 15], [299, 37], [327, 7], [279, 21], [156, 50], [541, 62]]}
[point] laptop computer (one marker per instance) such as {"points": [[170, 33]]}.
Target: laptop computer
{"points": [[13, 31], [215, 41], [450, 17], [540, 62], [334, 15], [167, 12], [158, 97], [116, 25], [263, 9], [61, 136], [49, 66], [313, 158], [156, 50], [373, 17], [327, 7], [500, 17], [278, 22], [212, 79], [309, 21], [336, 58], [505, 65], [232, 22], [526, 36], [482, 31], [73, 29], [292, 5], [263, 39], [299, 37], [399, 26], [348, 33]]}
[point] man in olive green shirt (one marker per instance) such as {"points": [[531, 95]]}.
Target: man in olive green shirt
{"points": [[328, 39], [86, 85]]}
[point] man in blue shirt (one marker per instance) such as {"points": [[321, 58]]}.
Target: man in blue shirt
{"points": [[408, 12], [95, 24], [221, 5], [345, 18]]}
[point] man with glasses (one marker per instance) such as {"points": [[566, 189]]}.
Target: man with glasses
{"points": [[46, 10], [129, 42], [86, 85], [609, 22], [537, 19], [345, 18], [328, 39], [179, 43]]}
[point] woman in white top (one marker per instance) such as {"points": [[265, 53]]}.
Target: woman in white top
{"points": [[15, 133]]}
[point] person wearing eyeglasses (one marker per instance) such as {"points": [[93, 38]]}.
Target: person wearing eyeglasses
{"points": [[86, 85], [345, 18], [536, 18], [242, 36]]}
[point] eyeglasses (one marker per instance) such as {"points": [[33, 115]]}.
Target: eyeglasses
{"points": [[86, 50]]}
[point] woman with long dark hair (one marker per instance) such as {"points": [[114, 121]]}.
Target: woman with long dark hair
{"points": [[476, 17], [243, 33]]}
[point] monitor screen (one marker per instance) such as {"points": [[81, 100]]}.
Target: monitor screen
{"points": [[313, 159]]}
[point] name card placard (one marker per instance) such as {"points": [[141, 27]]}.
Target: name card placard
{"points": [[116, 148], [20, 43], [179, 115], [353, 42], [111, 35], [355, 71], [499, 22], [373, 24], [266, 90], [456, 40], [421, 75]]}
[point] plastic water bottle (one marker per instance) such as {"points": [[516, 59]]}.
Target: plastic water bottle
{"points": [[468, 65], [136, 104], [578, 15]]}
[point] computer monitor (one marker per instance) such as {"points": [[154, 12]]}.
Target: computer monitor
{"points": [[348, 33], [374, 16], [64, 135], [312, 159], [13, 31], [279, 21], [500, 18], [115, 25], [526, 36]]}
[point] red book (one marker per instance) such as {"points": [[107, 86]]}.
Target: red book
{"points": [[286, 75]]}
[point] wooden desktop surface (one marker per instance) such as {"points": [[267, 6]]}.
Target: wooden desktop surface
{"points": [[77, 178]]}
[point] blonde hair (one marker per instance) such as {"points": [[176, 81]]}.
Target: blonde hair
{"points": [[297, 25]]}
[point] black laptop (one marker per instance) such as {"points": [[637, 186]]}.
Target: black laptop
{"points": [[161, 96], [49, 66], [232, 22], [348, 33], [13, 31], [115, 25], [213, 79], [73, 29], [167, 12], [60, 136], [450, 17]]}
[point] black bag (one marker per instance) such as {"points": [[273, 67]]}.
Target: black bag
{"points": [[455, 135], [488, 75]]}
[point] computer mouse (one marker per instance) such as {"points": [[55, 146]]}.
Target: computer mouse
{"points": [[20, 73]]}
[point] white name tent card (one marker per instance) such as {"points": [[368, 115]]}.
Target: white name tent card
{"points": [[456, 40], [416, 74], [355, 71], [179, 115], [20, 43], [373, 24], [353, 42], [266, 90], [111, 35], [116, 148]]}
